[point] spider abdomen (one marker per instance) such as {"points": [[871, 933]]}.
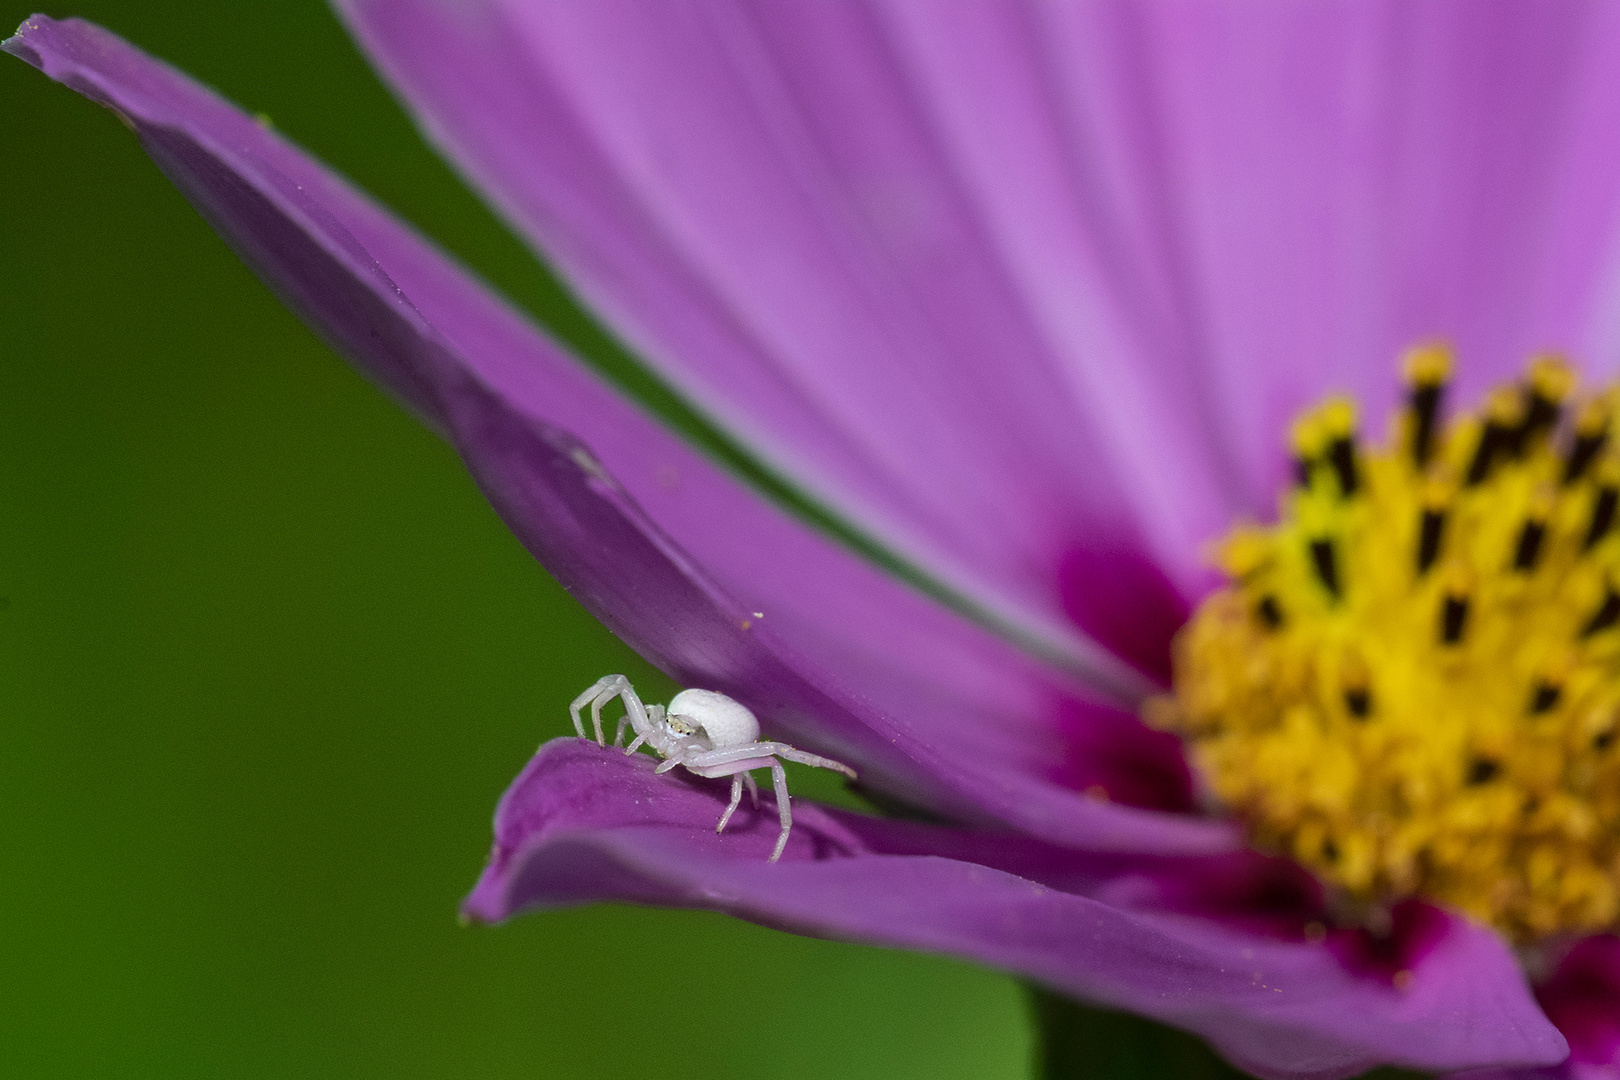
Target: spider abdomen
{"points": [[726, 722]]}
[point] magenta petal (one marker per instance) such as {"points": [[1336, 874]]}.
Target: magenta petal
{"points": [[1583, 998], [755, 198], [996, 277], [928, 704], [1298, 195], [582, 824], [586, 529], [1113, 754], [1123, 601]]}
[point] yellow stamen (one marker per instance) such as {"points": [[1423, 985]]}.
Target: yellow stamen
{"points": [[1551, 377], [1412, 682], [1428, 364]]}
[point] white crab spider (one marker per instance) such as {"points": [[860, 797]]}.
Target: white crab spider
{"points": [[709, 733]]}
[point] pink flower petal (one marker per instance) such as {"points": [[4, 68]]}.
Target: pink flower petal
{"points": [[1002, 282], [671, 552], [582, 824], [754, 198]]}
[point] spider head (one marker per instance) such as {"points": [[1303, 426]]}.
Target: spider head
{"points": [[681, 725]]}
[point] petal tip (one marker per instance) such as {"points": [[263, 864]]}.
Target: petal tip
{"points": [[18, 44], [485, 905]]}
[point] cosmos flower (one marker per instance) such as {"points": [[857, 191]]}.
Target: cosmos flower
{"points": [[1029, 295]]}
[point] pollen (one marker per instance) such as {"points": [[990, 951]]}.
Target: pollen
{"points": [[1411, 683]]}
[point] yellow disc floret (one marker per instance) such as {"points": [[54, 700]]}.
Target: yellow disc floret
{"points": [[1411, 683]]}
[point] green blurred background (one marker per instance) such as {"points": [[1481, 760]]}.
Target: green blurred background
{"points": [[267, 660]]}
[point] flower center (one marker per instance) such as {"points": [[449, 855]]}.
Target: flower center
{"points": [[1411, 682]]}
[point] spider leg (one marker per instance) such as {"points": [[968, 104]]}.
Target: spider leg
{"points": [[580, 702], [784, 807], [753, 788], [634, 711], [766, 749], [617, 686], [653, 714], [681, 754], [729, 768], [683, 751], [736, 797], [738, 771], [816, 760], [726, 755]]}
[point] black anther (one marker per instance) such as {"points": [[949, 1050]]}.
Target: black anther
{"points": [[1539, 417], [1545, 697], [1342, 455], [1482, 771], [1330, 850], [1493, 439], [1326, 568], [1269, 612], [1425, 404], [1607, 615], [1603, 740], [1529, 546], [1582, 454], [1453, 618], [1358, 701], [1429, 534], [1603, 508]]}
